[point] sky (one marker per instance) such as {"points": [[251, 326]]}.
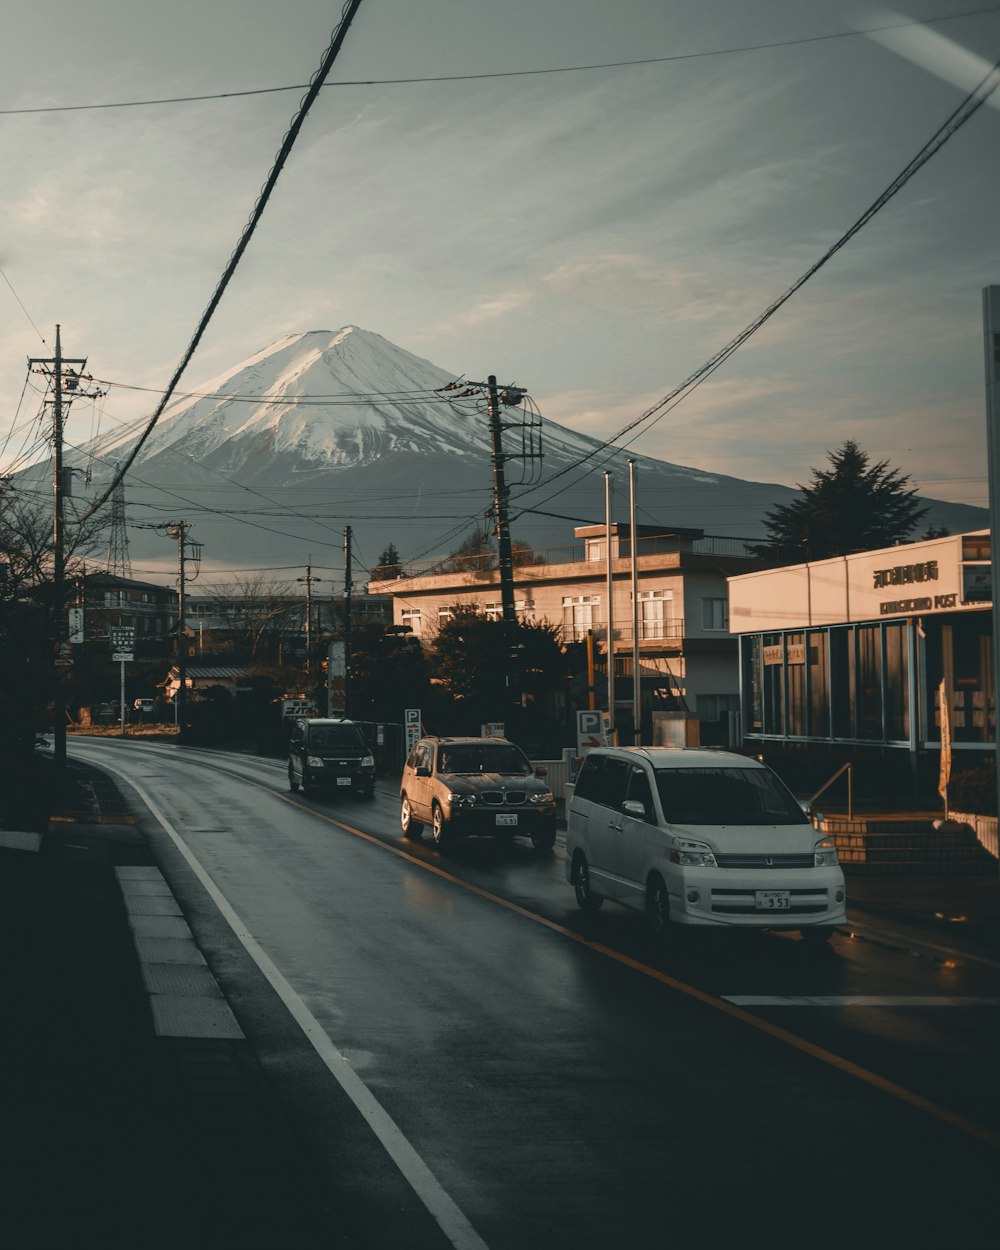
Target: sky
{"points": [[593, 235]]}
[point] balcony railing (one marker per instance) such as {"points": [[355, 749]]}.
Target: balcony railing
{"points": [[649, 631], [486, 563]]}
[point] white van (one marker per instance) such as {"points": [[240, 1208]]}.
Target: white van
{"points": [[699, 837]]}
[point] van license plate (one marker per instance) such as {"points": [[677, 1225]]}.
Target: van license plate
{"points": [[343, 781], [507, 819], [772, 900]]}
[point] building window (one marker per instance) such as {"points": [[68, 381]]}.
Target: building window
{"points": [[597, 548], [493, 611], [411, 617], [715, 613], [578, 616], [653, 607], [444, 616]]}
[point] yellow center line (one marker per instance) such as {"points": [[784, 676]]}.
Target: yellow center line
{"points": [[718, 1004]]}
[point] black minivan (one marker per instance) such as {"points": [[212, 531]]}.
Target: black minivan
{"points": [[330, 754]]}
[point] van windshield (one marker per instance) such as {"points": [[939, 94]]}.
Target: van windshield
{"points": [[483, 759], [726, 796], [331, 737]]}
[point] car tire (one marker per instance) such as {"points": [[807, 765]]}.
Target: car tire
{"points": [[587, 901], [816, 935], [544, 841], [439, 827], [657, 908], [411, 828], [293, 785]]}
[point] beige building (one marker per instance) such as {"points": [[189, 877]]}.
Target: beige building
{"points": [[687, 656], [862, 652]]}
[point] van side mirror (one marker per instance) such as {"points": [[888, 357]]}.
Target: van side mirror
{"points": [[632, 807]]}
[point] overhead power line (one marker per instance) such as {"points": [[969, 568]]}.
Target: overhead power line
{"points": [[957, 119], [347, 16], [512, 73]]}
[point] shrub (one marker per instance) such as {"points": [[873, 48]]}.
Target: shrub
{"points": [[975, 791]]}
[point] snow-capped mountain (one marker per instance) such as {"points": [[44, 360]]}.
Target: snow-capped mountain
{"points": [[269, 461]]}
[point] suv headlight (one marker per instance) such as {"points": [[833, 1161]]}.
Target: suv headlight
{"points": [[368, 761], [693, 855], [314, 761], [545, 797], [461, 800], [825, 853]]}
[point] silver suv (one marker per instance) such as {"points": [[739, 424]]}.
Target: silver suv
{"points": [[482, 786]]}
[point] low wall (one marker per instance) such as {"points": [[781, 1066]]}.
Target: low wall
{"points": [[985, 828]]}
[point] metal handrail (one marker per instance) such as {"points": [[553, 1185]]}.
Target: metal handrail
{"points": [[844, 768]]}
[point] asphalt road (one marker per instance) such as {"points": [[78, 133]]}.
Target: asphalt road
{"points": [[473, 1064]]}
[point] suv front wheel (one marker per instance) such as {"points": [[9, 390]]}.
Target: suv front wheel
{"points": [[439, 827], [411, 828]]}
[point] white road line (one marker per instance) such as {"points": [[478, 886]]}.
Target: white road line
{"points": [[856, 1000], [425, 1185]]}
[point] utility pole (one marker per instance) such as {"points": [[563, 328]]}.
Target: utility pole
{"points": [[178, 530], [610, 579], [347, 620], [501, 511], [58, 627], [309, 579], [508, 397]]}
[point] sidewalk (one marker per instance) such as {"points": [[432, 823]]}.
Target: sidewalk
{"points": [[113, 1136], [958, 911]]}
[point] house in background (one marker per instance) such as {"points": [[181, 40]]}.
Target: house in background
{"points": [[98, 600], [201, 677], [687, 658]]}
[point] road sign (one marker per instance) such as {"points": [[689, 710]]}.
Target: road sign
{"points": [[411, 719], [122, 639], [591, 731]]}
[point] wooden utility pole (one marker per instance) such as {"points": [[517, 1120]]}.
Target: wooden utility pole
{"points": [[58, 626], [501, 500], [178, 530], [347, 620]]}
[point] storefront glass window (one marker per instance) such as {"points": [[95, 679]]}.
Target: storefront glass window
{"points": [[897, 720], [842, 681], [869, 681], [795, 672], [774, 721], [819, 693]]}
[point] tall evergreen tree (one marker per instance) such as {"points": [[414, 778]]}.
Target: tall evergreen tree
{"points": [[852, 506]]}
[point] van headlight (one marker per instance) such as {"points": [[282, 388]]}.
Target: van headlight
{"points": [[693, 855], [368, 761], [314, 761], [825, 853]]}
